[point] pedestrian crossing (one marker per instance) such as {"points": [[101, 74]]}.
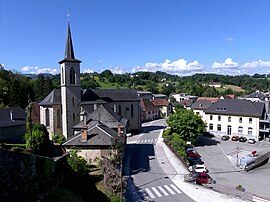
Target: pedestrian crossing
{"points": [[146, 141], [161, 191]]}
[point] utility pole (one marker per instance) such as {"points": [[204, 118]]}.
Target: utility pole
{"points": [[237, 156]]}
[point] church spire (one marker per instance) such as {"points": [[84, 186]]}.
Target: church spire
{"points": [[69, 52]]}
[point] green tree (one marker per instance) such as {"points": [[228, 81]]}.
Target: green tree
{"points": [[58, 138], [186, 124], [40, 143], [77, 163]]}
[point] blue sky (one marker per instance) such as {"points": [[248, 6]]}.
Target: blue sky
{"points": [[181, 37]]}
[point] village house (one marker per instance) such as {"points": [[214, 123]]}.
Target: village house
{"points": [[12, 125], [164, 106], [237, 117], [149, 110]]}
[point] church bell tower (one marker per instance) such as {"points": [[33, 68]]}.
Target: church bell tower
{"points": [[70, 88]]}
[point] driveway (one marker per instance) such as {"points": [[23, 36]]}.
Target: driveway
{"points": [[220, 159]]}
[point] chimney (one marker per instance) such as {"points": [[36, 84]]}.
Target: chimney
{"points": [[11, 113], [84, 134]]}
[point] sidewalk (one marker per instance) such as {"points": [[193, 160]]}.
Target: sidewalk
{"points": [[176, 170]]}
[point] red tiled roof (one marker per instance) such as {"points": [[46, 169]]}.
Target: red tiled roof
{"points": [[147, 105], [159, 103], [214, 83], [211, 99]]}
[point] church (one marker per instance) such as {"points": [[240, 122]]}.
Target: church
{"points": [[64, 109]]}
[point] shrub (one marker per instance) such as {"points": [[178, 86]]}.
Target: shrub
{"points": [[77, 163], [58, 138]]}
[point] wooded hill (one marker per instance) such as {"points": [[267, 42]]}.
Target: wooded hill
{"points": [[17, 89]]}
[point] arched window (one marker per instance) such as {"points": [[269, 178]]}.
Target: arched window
{"points": [[211, 117], [210, 126], [62, 75], [131, 111], [250, 120], [58, 118], [219, 118], [240, 129], [219, 127], [229, 119], [119, 109], [47, 114], [72, 75]]}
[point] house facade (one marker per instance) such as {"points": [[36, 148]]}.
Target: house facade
{"points": [[149, 111], [237, 117], [164, 106]]}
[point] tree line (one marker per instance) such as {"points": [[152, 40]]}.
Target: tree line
{"points": [[16, 89]]}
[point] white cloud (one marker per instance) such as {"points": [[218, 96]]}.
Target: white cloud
{"points": [[117, 70], [88, 71], [180, 67], [228, 64], [38, 70], [232, 68]]}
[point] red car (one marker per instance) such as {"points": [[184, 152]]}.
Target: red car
{"points": [[193, 153], [204, 178]]}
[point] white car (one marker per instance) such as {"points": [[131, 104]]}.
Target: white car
{"points": [[251, 140], [198, 168]]}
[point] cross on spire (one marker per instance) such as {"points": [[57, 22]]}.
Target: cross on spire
{"points": [[68, 16]]}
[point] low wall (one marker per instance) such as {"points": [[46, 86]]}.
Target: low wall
{"points": [[26, 177]]}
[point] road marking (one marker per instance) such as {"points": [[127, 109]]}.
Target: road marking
{"points": [[169, 189], [149, 140], [163, 191], [175, 188], [156, 191], [150, 193]]}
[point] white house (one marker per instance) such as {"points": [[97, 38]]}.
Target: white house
{"points": [[237, 117]]}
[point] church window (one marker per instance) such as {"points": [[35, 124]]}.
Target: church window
{"points": [[73, 101], [131, 111], [119, 109], [73, 116], [58, 118], [62, 75], [72, 75], [47, 113]]}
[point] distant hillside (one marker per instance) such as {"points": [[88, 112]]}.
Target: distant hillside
{"points": [[35, 76]]}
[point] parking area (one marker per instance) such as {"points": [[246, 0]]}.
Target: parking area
{"points": [[220, 158]]}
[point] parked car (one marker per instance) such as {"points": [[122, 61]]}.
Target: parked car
{"points": [[251, 141], [242, 139], [194, 160], [198, 168], [204, 178], [225, 137], [193, 152], [235, 138], [188, 147]]}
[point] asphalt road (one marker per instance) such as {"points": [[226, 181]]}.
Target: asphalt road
{"points": [[148, 177]]}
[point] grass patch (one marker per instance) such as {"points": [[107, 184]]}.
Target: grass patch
{"points": [[235, 88]]}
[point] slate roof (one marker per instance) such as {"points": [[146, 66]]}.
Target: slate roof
{"points": [[98, 135], [147, 105], [19, 117], [237, 107], [160, 103], [109, 95], [105, 115], [257, 94], [69, 52], [187, 103], [52, 99], [201, 104]]}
